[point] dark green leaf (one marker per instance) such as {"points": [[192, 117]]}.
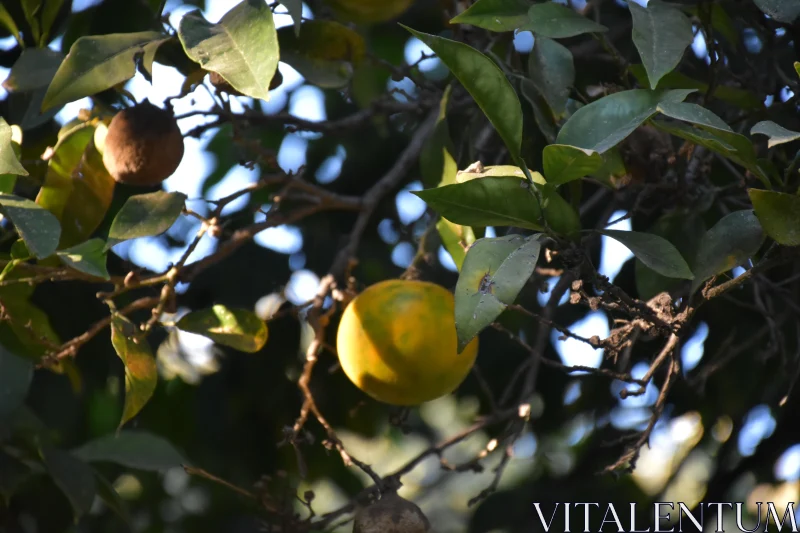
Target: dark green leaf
{"points": [[99, 62], [74, 477], [780, 10], [552, 72], [145, 215], [141, 374], [495, 15], [436, 161], [9, 163], [78, 189], [490, 201], [13, 472], [675, 80], [684, 230], [295, 10], [36, 226], [779, 214], [561, 217], [40, 15], [735, 147], [607, 121], [237, 328], [242, 47], [455, 239], [132, 448], [564, 163], [730, 243], [493, 273], [661, 33], [542, 114], [694, 114], [16, 374], [33, 70], [487, 84], [654, 251], [777, 134], [88, 257], [549, 19]]}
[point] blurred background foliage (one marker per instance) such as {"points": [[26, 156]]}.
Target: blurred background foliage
{"points": [[730, 435]]}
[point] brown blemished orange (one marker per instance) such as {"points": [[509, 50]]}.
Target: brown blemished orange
{"points": [[397, 343]]}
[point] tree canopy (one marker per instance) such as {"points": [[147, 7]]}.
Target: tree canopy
{"points": [[166, 364]]}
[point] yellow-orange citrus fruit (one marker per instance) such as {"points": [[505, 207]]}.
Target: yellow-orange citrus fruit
{"points": [[369, 11], [397, 342]]}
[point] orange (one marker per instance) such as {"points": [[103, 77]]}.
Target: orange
{"points": [[397, 342]]}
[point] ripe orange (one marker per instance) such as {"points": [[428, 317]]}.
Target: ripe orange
{"points": [[397, 342]]}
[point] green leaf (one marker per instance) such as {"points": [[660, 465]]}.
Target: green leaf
{"points": [[134, 449], [99, 62], [493, 274], [295, 10], [781, 10], [661, 33], [552, 72], [555, 21], [733, 146], [490, 201], [437, 165], [777, 134], [563, 163], [74, 477], [797, 68], [16, 375], [88, 257], [605, 122], [9, 163], [13, 473], [542, 114], [675, 80], [694, 114], [36, 226], [325, 54], [561, 217], [684, 230], [242, 47], [31, 334], [145, 215], [495, 15], [237, 328], [40, 15], [486, 83], [456, 239], [7, 21], [77, 189], [654, 251], [779, 214], [730, 243], [33, 70], [29, 78], [141, 374]]}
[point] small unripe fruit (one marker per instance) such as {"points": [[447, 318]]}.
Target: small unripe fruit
{"points": [[143, 146], [391, 514]]}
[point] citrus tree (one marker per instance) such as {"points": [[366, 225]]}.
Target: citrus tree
{"points": [[433, 354]]}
